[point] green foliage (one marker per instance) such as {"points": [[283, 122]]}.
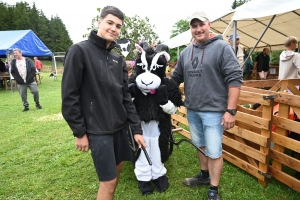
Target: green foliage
{"points": [[237, 3], [134, 28], [179, 27], [275, 57], [21, 16]]}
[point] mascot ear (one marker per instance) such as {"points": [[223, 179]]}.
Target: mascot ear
{"points": [[167, 56], [139, 48]]}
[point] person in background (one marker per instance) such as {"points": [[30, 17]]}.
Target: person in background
{"points": [[2, 66], [7, 66], [154, 45], [289, 64], [262, 64], [239, 50], [212, 80], [129, 68], [248, 68], [38, 64], [23, 71], [96, 102]]}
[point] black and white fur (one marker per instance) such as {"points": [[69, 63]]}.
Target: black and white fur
{"points": [[150, 70]]}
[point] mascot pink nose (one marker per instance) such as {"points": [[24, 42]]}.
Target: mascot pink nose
{"points": [[152, 91]]}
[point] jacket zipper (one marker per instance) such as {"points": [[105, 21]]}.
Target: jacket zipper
{"points": [[108, 74]]}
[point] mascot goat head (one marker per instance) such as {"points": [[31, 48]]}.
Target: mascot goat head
{"points": [[150, 69]]}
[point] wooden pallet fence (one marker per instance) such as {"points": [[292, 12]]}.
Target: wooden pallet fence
{"points": [[252, 145]]}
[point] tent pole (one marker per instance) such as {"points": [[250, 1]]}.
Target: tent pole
{"points": [[260, 37], [177, 53], [234, 36]]}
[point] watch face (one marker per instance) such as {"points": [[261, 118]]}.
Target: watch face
{"points": [[232, 111]]}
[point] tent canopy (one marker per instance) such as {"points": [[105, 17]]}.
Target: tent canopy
{"points": [[252, 19], [25, 40], [254, 16]]}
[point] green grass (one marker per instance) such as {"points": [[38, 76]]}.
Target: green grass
{"points": [[38, 160]]}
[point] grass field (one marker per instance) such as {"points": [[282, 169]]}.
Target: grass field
{"points": [[38, 160]]}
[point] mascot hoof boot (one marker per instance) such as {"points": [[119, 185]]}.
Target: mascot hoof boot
{"points": [[146, 187], [161, 184]]}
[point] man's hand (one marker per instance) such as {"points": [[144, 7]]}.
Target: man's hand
{"points": [[82, 144], [228, 121], [140, 140]]}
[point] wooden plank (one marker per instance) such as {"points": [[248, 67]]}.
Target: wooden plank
{"points": [[249, 111], [260, 83], [253, 97], [293, 88], [184, 132], [249, 135], [267, 113], [247, 127], [180, 119], [285, 141], [283, 111], [242, 164], [257, 155], [174, 121], [253, 120], [182, 109], [257, 90], [282, 97], [296, 110], [250, 160], [286, 124], [285, 159], [285, 178]]}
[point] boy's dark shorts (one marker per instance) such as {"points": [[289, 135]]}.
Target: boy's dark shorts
{"points": [[108, 151]]}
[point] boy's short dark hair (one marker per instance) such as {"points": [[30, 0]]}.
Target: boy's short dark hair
{"points": [[112, 10]]}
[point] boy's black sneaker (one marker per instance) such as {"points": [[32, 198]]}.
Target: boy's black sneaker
{"points": [[213, 195], [39, 106], [196, 181], [25, 109]]}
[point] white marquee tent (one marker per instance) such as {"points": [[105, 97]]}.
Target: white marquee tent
{"points": [[260, 23]]}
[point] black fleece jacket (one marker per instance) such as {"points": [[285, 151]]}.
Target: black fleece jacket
{"points": [[30, 68], [95, 95]]}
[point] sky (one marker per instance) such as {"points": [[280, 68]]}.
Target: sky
{"points": [[77, 15]]}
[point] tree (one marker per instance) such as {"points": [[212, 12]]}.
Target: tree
{"points": [[134, 28], [180, 27], [59, 36], [22, 17], [236, 3]]}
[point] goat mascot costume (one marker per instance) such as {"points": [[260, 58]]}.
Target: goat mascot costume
{"points": [[156, 98]]}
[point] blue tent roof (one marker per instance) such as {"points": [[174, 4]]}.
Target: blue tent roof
{"points": [[25, 40]]}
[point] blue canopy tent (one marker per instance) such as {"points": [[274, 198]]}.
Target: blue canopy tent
{"points": [[26, 40]]}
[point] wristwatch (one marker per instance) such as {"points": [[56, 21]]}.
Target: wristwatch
{"points": [[232, 111]]}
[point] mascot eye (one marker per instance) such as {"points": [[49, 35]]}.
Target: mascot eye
{"points": [[142, 65], [156, 66]]}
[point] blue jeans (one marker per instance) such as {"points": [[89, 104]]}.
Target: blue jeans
{"points": [[206, 130]]}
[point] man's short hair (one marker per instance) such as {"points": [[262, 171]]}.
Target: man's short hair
{"points": [[289, 40], [17, 49], [112, 10]]}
